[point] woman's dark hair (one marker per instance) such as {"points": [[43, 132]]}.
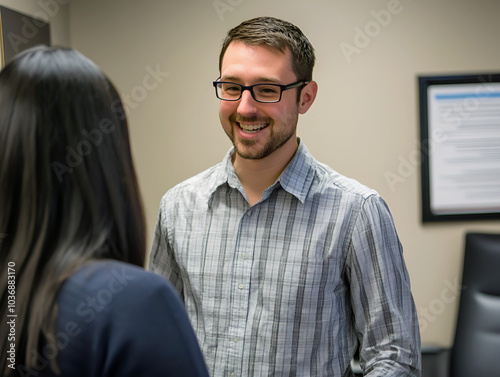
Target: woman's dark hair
{"points": [[68, 188]]}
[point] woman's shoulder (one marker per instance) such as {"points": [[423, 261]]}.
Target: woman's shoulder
{"points": [[107, 296], [110, 284], [115, 275], [129, 320]]}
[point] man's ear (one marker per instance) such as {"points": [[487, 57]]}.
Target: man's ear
{"points": [[307, 96]]}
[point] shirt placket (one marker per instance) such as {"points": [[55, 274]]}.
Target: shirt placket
{"points": [[240, 290]]}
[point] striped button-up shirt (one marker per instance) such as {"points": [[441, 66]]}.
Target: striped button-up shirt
{"points": [[294, 284]]}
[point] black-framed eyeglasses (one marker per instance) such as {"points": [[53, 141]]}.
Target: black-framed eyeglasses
{"points": [[266, 93]]}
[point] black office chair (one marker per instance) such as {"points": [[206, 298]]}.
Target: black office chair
{"points": [[476, 347]]}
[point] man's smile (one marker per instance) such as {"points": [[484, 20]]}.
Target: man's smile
{"points": [[252, 128]]}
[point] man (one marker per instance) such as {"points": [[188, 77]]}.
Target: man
{"points": [[285, 266]]}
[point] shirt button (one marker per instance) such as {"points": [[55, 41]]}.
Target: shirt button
{"points": [[235, 339], [249, 213], [244, 256], [240, 286], [232, 374]]}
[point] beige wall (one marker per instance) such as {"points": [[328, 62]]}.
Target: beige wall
{"points": [[53, 11], [364, 122]]}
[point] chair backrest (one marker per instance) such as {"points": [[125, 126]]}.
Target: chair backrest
{"points": [[476, 348]]}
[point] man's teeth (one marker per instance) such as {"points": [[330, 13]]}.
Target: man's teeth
{"points": [[252, 128]]}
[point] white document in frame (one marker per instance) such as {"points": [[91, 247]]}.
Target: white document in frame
{"points": [[464, 148]]}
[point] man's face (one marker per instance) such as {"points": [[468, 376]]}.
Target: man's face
{"points": [[258, 129]]}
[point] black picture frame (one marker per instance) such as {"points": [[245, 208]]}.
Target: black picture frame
{"points": [[481, 91], [18, 32]]}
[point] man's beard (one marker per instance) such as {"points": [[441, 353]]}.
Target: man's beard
{"points": [[274, 142]]}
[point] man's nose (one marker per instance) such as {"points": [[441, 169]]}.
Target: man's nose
{"points": [[247, 104]]}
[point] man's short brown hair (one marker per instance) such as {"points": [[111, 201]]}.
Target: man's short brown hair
{"points": [[279, 34]]}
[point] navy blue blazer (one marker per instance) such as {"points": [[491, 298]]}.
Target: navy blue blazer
{"points": [[116, 319]]}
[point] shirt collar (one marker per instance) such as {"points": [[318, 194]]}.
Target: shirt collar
{"points": [[296, 179], [223, 174], [299, 174]]}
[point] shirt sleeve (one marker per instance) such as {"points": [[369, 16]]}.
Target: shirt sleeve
{"points": [[162, 258], [385, 315]]}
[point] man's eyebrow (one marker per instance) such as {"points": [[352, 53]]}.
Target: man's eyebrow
{"points": [[262, 79]]}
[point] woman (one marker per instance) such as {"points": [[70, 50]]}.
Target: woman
{"points": [[72, 246]]}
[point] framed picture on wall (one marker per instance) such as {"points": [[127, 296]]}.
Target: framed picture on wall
{"points": [[460, 147], [19, 32]]}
